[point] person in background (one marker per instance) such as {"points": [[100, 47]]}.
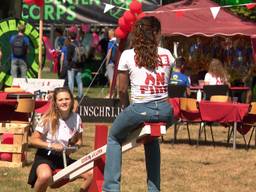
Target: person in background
{"points": [[75, 68], [143, 66], [178, 77], [64, 61], [87, 42], [58, 44], [104, 43], [19, 44], [217, 74], [58, 128], [110, 59], [59, 39], [250, 81]]}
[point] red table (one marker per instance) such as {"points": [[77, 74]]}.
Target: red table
{"points": [[231, 89], [223, 113], [195, 88], [239, 88]]}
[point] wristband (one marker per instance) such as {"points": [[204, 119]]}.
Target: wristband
{"points": [[49, 146]]}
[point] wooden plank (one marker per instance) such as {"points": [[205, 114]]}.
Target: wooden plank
{"points": [[12, 148], [11, 164], [14, 124], [18, 128], [84, 164], [14, 130], [17, 140]]}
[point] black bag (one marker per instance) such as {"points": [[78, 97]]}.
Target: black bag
{"points": [[75, 56], [70, 55], [19, 48], [79, 54]]}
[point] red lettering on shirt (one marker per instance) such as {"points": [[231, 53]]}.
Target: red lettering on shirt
{"points": [[153, 89], [218, 82], [160, 79], [150, 80], [152, 83], [165, 60]]}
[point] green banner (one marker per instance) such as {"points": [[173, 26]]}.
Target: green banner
{"points": [[81, 11]]}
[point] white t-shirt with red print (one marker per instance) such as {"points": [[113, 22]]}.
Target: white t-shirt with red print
{"points": [[147, 85], [213, 80], [66, 130]]}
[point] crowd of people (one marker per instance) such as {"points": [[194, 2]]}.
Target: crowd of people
{"points": [[92, 45], [216, 74]]}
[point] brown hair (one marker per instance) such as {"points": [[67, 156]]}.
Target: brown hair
{"points": [[67, 42], [52, 115], [145, 42], [217, 70], [72, 35]]}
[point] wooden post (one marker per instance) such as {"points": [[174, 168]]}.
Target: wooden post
{"points": [[40, 57]]}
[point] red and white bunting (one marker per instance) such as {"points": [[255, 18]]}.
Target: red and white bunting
{"points": [[108, 7], [215, 11]]}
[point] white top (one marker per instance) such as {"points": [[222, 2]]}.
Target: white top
{"points": [[213, 80], [66, 130], [147, 85]]}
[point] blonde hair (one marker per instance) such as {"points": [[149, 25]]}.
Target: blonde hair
{"points": [[216, 69], [111, 33], [21, 28], [52, 116]]}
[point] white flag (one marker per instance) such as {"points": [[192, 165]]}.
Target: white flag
{"points": [[215, 11], [108, 7]]}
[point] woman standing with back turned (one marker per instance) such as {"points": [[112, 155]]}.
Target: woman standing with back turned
{"points": [[147, 66]]}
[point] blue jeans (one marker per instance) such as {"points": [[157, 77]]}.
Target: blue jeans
{"points": [[128, 120], [19, 65], [72, 74]]}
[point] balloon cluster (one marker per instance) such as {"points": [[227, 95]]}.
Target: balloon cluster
{"points": [[39, 3], [129, 17]]}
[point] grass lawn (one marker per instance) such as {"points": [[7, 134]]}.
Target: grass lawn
{"points": [[184, 167]]}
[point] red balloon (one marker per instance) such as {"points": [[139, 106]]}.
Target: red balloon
{"points": [[141, 15], [135, 7], [119, 33], [129, 17], [124, 25], [29, 2], [39, 3]]}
